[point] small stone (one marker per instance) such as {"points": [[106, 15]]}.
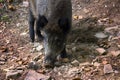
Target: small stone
{"points": [[57, 63], [101, 50], [39, 48], [75, 63], [18, 24], [118, 46], [73, 71], [74, 49], [100, 35], [116, 72], [96, 64], [23, 34], [36, 44], [85, 10], [13, 74], [33, 50], [25, 3], [80, 17], [107, 69]]}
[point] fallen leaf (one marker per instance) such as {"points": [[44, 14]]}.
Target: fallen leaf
{"points": [[87, 69], [73, 71], [3, 49], [77, 79], [96, 64], [115, 53], [85, 10], [2, 62], [9, 1], [84, 64], [101, 50], [104, 61], [23, 34], [13, 74], [75, 17], [40, 47], [111, 28]]}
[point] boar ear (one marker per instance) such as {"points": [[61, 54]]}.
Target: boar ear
{"points": [[64, 24], [42, 21]]}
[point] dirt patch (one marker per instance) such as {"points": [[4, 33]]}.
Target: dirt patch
{"points": [[89, 17]]}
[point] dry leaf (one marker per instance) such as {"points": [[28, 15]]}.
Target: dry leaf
{"points": [[101, 50], [3, 49], [75, 17], [115, 53], [11, 7]]}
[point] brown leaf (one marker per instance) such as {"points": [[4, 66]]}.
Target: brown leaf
{"points": [[76, 79], [115, 53], [9, 1], [3, 49], [96, 64], [11, 7], [13, 74], [75, 17], [104, 61], [11, 48], [101, 50], [20, 62]]}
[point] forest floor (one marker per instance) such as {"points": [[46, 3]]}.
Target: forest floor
{"points": [[93, 44]]}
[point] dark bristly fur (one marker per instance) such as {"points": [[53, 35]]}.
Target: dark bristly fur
{"points": [[54, 18]]}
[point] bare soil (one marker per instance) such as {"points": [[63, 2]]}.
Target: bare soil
{"points": [[89, 18]]}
